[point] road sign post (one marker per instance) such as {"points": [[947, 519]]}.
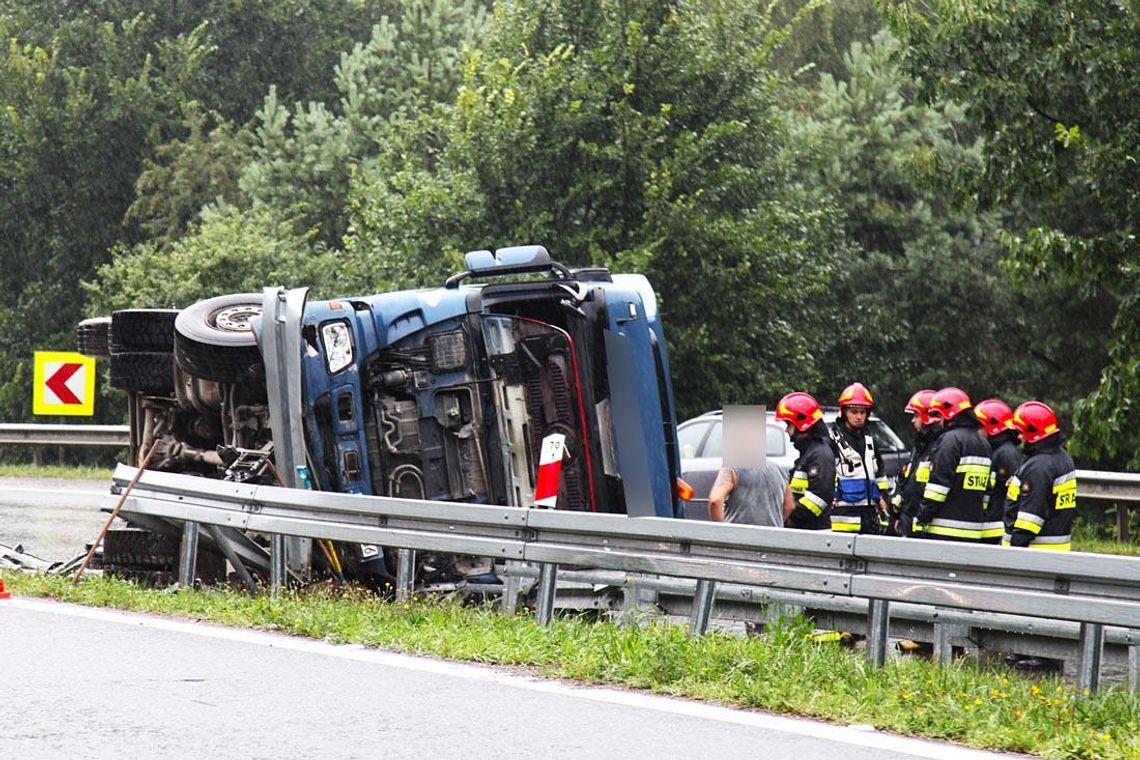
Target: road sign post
{"points": [[63, 384]]}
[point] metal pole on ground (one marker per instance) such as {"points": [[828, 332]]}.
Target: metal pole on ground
{"points": [[1134, 668], [239, 568], [405, 574], [878, 629], [276, 564], [188, 555], [547, 580], [1092, 649], [702, 607], [114, 513], [513, 580]]}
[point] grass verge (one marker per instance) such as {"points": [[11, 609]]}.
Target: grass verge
{"points": [[63, 472], [782, 671], [1106, 546]]}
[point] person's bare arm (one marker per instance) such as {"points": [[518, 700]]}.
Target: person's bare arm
{"points": [[789, 503], [719, 493]]}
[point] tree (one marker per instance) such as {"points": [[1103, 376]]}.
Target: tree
{"points": [[578, 127], [89, 94], [231, 251], [304, 158], [71, 142], [921, 299], [287, 173], [1056, 89]]}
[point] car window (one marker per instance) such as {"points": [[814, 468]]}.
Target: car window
{"points": [[689, 438], [885, 438], [714, 444], [777, 441]]}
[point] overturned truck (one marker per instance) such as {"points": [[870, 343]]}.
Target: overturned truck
{"points": [[440, 394]]}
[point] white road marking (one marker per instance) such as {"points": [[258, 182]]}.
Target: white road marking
{"points": [[858, 736]]}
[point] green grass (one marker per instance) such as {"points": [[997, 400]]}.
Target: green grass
{"points": [[782, 671], [68, 472], [1105, 546]]}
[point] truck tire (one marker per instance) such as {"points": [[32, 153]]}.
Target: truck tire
{"points": [[93, 337], [139, 550], [150, 372], [142, 330], [213, 339], [151, 559]]}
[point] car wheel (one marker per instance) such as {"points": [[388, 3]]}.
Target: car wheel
{"points": [[214, 339]]}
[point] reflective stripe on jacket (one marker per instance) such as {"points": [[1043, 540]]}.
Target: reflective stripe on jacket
{"points": [[813, 483], [952, 505], [1042, 498]]}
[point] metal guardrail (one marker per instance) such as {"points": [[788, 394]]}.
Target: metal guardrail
{"points": [[1091, 484], [64, 435], [1088, 589]]}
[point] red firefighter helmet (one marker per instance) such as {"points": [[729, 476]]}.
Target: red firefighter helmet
{"points": [[995, 415], [800, 409], [856, 394], [949, 402], [920, 404], [1034, 420]]}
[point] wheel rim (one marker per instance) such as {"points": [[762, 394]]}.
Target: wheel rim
{"points": [[235, 319]]}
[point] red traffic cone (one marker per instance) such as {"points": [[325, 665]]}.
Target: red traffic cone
{"points": [[4, 594]]}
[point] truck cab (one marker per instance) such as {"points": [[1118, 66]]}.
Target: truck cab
{"points": [[446, 394]]}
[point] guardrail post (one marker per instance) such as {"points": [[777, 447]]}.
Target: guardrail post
{"points": [[878, 629], [702, 607], [188, 555], [637, 595], [944, 634], [276, 564], [509, 603], [405, 574], [1091, 648], [1134, 668], [548, 577]]}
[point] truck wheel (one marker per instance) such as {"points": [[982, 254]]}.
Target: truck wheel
{"points": [[93, 337], [213, 339], [149, 372], [142, 330], [151, 558], [140, 550]]}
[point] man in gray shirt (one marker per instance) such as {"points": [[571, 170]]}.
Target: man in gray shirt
{"points": [[749, 496]]}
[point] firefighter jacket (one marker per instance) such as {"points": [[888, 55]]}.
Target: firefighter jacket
{"points": [[1006, 458], [1042, 496], [913, 479], [813, 479], [859, 483], [952, 500]]}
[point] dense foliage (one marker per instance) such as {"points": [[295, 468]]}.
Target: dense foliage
{"points": [[1055, 88], [815, 200]]}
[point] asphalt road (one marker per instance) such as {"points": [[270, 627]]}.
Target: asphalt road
{"points": [[53, 519], [90, 683]]}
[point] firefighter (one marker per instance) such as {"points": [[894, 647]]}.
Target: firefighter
{"points": [[812, 485], [951, 508], [860, 488], [1042, 495], [997, 422], [914, 475]]}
